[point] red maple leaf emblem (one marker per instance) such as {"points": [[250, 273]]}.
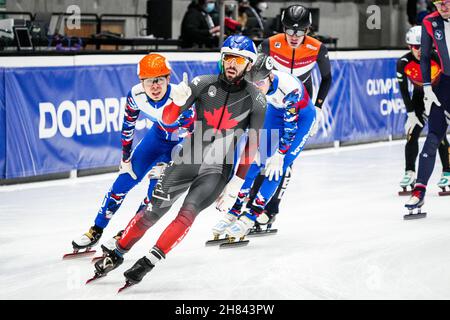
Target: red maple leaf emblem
{"points": [[220, 119]]}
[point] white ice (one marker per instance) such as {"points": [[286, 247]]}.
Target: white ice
{"points": [[341, 236]]}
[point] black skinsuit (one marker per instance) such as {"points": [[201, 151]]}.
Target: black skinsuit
{"points": [[224, 112]]}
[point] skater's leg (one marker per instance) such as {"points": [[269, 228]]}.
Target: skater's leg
{"points": [[177, 178], [164, 159], [273, 207], [203, 192], [443, 95], [252, 174], [412, 149], [143, 158], [437, 127], [268, 188], [444, 152], [255, 187]]}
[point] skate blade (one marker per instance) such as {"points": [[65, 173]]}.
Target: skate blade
{"points": [[75, 255], [94, 278], [235, 244], [404, 193], [414, 216], [127, 285], [95, 259], [211, 243], [262, 233]]}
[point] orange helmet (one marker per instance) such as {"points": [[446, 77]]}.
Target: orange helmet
{"points": [[153, 65]]}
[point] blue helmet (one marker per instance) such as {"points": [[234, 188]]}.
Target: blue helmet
{"points": [[241, 46]]}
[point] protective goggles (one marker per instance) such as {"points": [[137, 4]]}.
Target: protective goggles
{"points": [[292, 32], [415, 46], [150, 81], [441, 3], [228, 58]]}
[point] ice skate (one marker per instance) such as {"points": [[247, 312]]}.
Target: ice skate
{"points": [[137, 272], [225, 221], [108, 246], [416, 201], [444, 184], [106, 265], [409, 179], [238, 230], [263, 225], [82, 245]]}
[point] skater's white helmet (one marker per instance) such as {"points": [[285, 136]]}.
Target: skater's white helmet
{"points": [[413, 35]]}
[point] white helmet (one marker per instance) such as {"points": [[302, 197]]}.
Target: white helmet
{"points": [[413, 35]]}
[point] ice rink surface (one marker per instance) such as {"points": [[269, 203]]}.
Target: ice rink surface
{"points": [[341, 236]]}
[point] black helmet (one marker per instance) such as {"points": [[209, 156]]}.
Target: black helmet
{"points": [[296, 17], [261, 68]]}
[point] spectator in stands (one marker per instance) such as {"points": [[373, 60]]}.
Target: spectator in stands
{"points": [[198, 28], [417, 10], [232, 26], [250, 17]]}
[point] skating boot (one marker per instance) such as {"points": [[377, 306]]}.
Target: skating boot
{"points": [[106, 265], [144, 265], [416, 201], [238, 230], [263, 225], [225, 221], [137, 272], [85, 243], [108, 246], [409, 179], [444, 184]]}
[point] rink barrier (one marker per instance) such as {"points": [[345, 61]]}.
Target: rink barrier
{"points": [[62, 114]]}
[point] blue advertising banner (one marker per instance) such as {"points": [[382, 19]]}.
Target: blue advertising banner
{"points": [[64, 118], [2, 125], [56, 119], [364, 102]]}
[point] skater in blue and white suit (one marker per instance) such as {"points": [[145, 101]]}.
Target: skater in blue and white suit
{"points": [[290, 116]]}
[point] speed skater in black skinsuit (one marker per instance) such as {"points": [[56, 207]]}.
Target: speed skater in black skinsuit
{"points": [[227, 106]]}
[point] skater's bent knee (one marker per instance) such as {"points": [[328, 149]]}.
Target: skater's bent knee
{"points": [[187, 214], [149, 217]]}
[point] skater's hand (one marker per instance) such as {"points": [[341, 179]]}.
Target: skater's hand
{"points": [[181, 92], [411, 123], [429, 98], [157, 170], [228, 197], [274, 166], [317, 122], [126, 167]]}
